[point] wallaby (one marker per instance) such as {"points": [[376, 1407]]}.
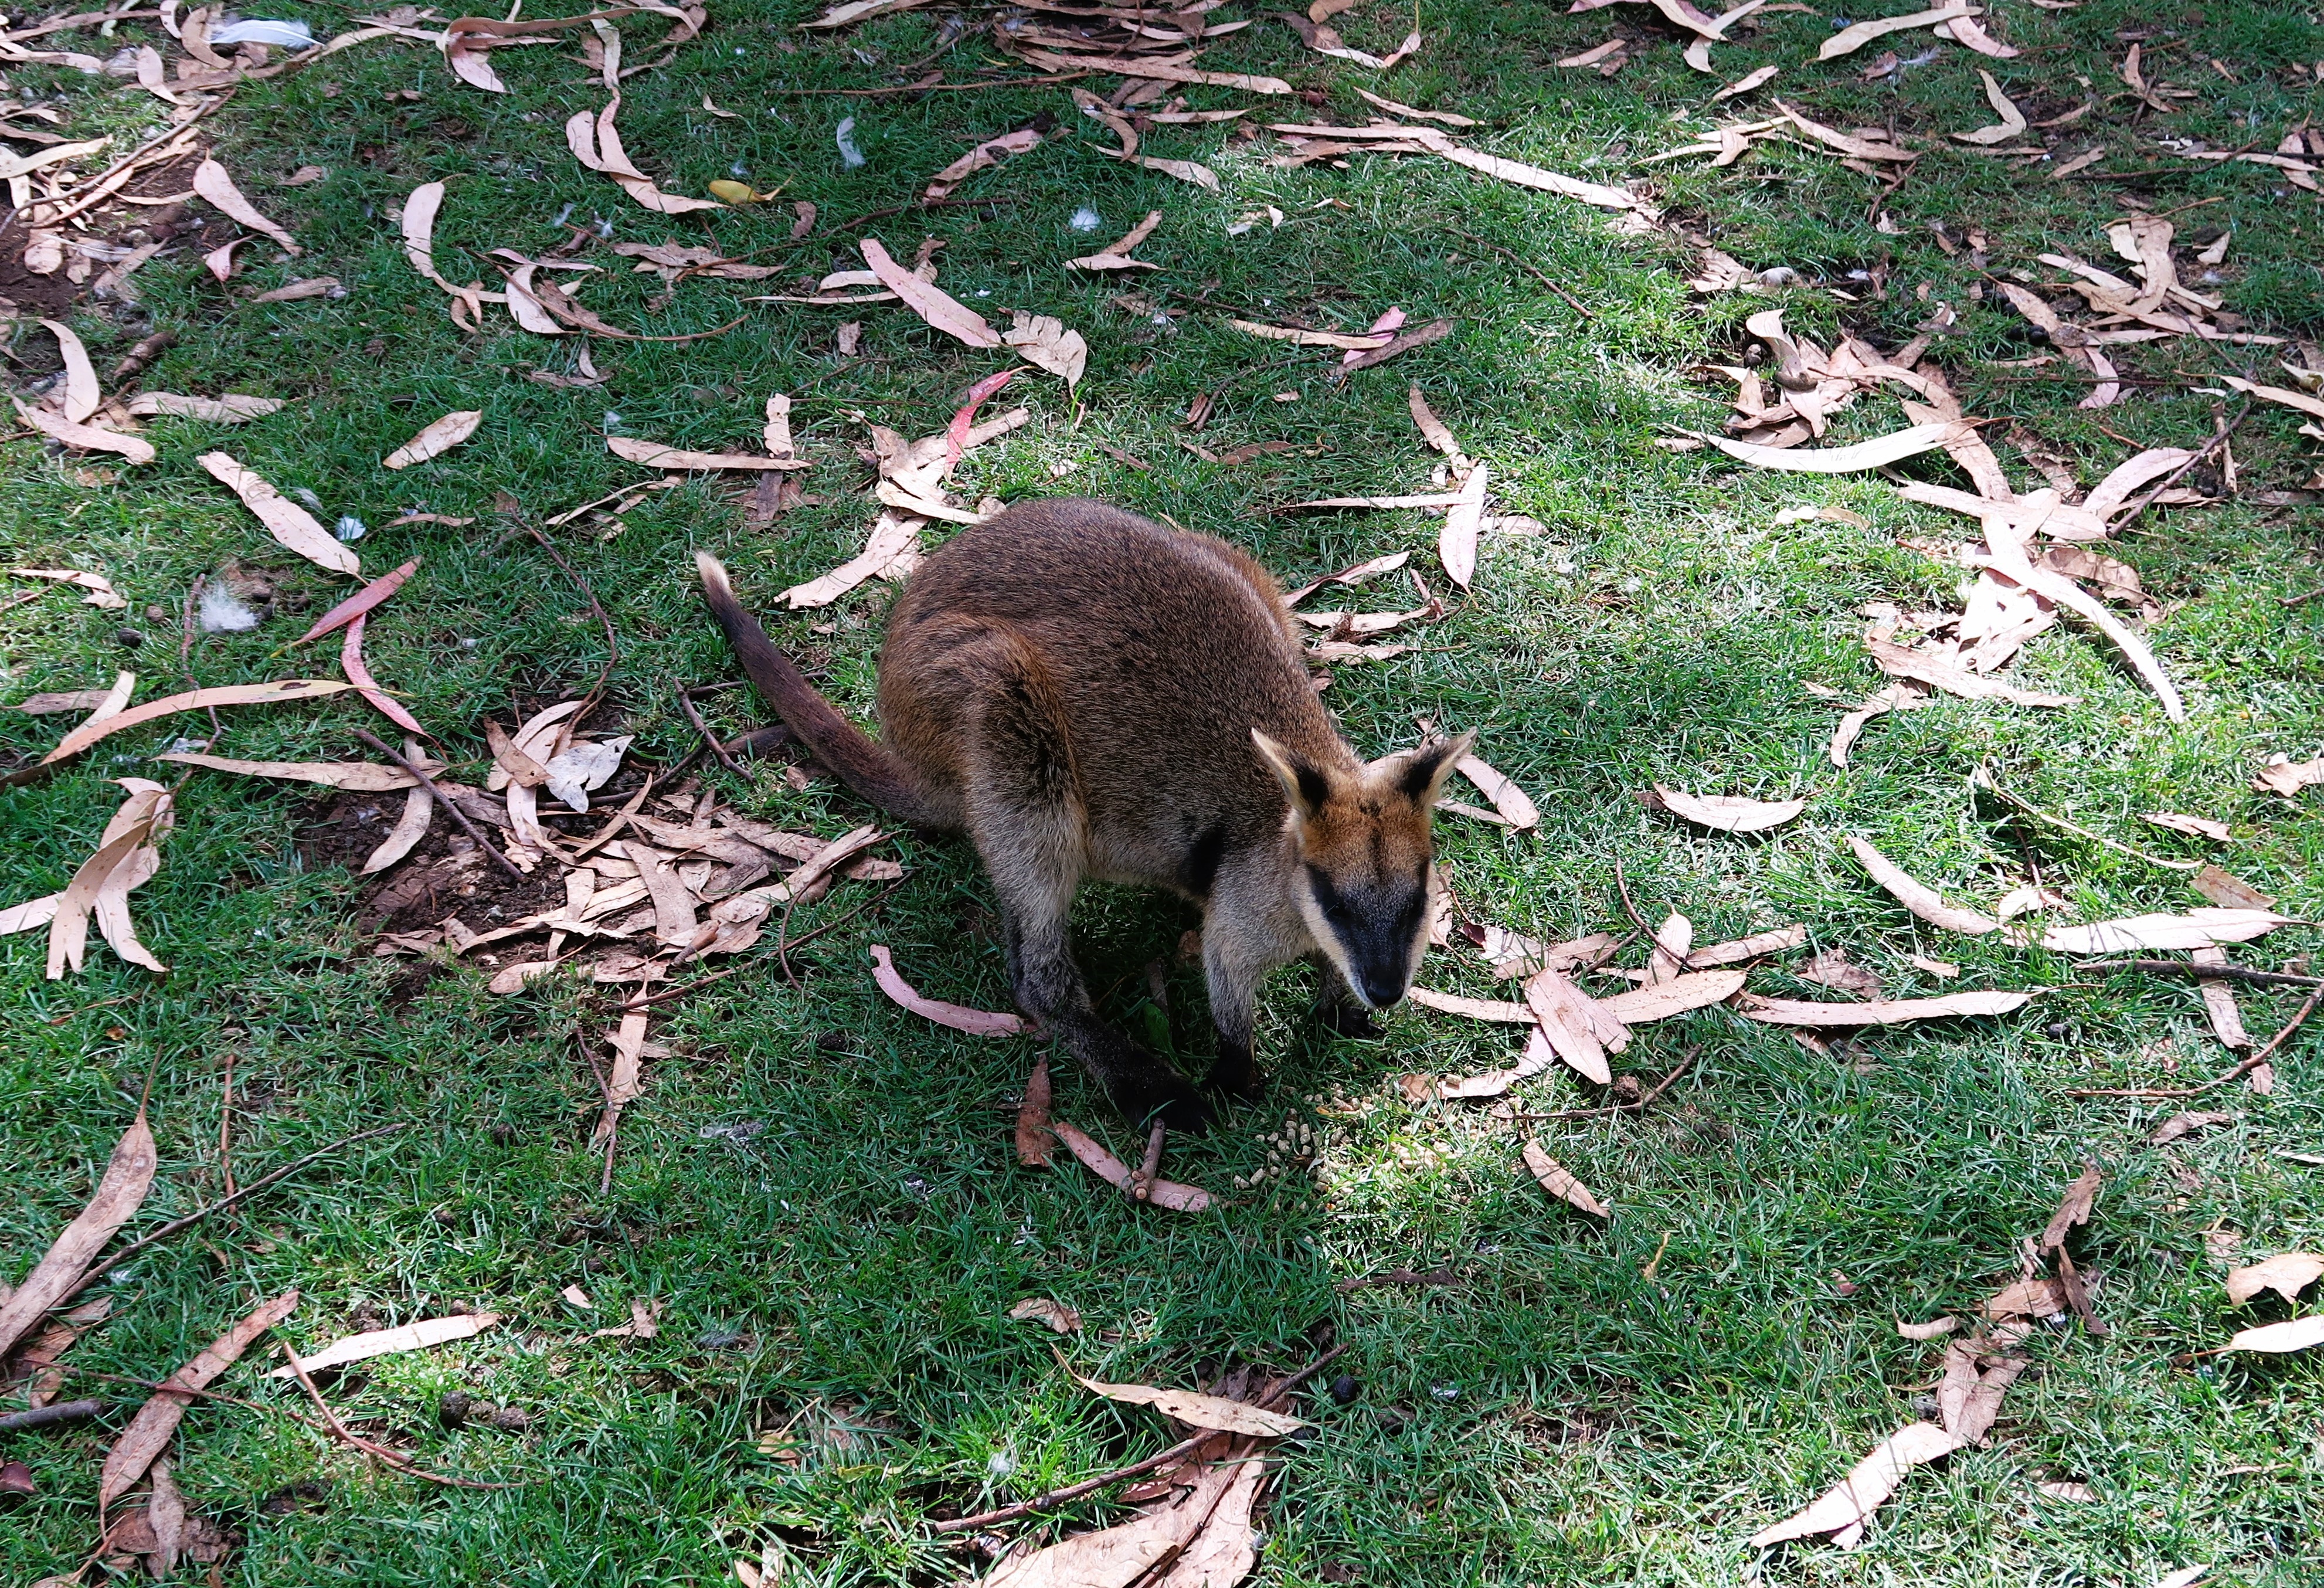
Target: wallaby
{"points": [[1088, 694]]}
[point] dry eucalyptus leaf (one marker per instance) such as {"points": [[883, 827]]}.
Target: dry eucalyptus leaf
{"points": [[149, 1433], [388, 1341], [120, 1192], [1928, 1331], [2198, 928], [2194, 826], [212, 182], [654, 455], [1464, 522], [1867, 1487], [2287, 1273], [1475, 1009], [437, 439], [2187, 1125], [1841, 460], [2298, 1334], [85, 437], [1923, 900], [574, 773], [1560, 1182], [2224, 888], [101, 593], [291, 524], [1507, 799], [1035, 1142], [976, 1022], [1660, 1001], [1197, 1410], [1786, 1011], [1728, 813], [367, 777], [231, 408], [97, 728], [940, 309]]}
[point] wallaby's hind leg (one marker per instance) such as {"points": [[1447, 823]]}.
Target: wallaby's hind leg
{"points": [[1026, 818]]}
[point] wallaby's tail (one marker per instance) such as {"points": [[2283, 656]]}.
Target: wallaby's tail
{"points": [[868, 768]]}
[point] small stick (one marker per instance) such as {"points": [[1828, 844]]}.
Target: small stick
{"points": [[1571, 303], [1056, 1496], [1622, 886], [1141, 1180], [2246, 1067], [2204, 972], [220, 1205], [709, 740], [226, 1124], [1984, 780], [1660, 1087], [444, 800], [2218, 439], [42, 1416], [382, 1451]]}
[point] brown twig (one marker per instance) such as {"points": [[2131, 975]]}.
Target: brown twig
{"points": [[1571, 303], [2218, 439], [1660, 1087], [42, 1417], [1072, 1491], [710, 741], [220, 1205], [444, 800], [2239, 1071], [225, 1123], [1622, 886], [401, 1464], [612, 645], [1141, 1179], [2203, 973]]}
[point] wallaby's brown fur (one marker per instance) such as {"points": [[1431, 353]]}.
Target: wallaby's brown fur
{"points": [[1088, 694]]}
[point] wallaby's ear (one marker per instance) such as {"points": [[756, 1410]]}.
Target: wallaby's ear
{"points": [[1425, 768], [1303, 783]]}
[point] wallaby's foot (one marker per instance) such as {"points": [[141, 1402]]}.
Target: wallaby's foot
{"points": [[1344, 1016], [1233, 1073], [1141, 1085]]}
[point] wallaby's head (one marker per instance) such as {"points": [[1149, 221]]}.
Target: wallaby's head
{"points": [[1362, 839]]}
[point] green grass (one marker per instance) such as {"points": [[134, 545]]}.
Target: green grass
{"points": [[1558, 1419]]}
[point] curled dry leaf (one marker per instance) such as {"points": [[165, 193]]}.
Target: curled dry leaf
{"points": [[388, 1341], [95, 729], [1116, 255], [2287, 1273], [984, 156], [80, 395], [149, 1432], [1727, 813], [1928, 1331], [1560, 1182], [1168, 1194], [2011, 122], [2194, 826], [291, 524], [2074, 1208], [437, 439], [1043, 1309], [1035, 1142], [976, 1022], [1918, 897], [1042, 339], [1924, 666], [1198, 1410], [120, 1192], [1865, 1488], [1751, 947], [212, 182], [2187, 1125], [1787, 1011]]}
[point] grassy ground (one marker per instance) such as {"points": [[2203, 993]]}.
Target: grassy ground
{"points": [[1557, 1417]]}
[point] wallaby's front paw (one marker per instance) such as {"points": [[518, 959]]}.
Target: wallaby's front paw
{"points": [[1233, 1073], [1344, 1016], [1168, 1099]]}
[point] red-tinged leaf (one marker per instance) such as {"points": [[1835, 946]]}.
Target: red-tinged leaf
{"points": [[361, 602], [976, 1022], [128, 1175], [351, 662], [956, 432], [89, 732], [149, 1432]]}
